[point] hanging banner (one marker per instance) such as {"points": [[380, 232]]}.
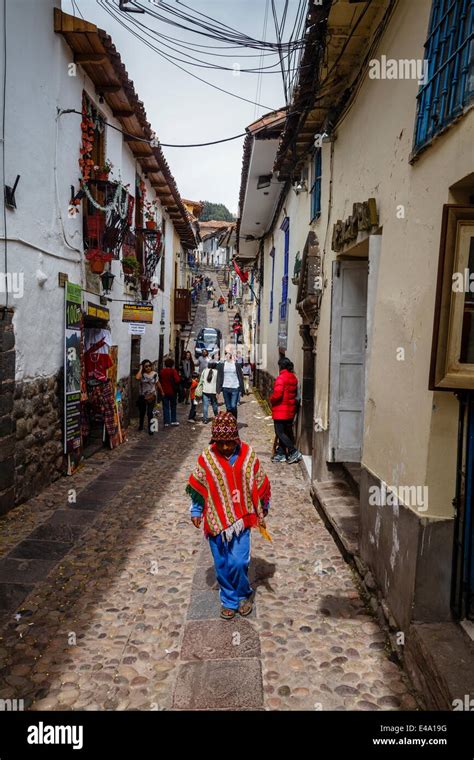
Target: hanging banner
{"points": [[72, 368], [138, 312]]}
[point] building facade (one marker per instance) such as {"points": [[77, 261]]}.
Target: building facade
{"points": [[372, 226], [89, 202]]}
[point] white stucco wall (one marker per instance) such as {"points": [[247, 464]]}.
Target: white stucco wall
{"points": [[38, 84], [410, 433]]}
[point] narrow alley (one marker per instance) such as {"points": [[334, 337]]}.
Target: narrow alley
{"points": [[121, 608]]}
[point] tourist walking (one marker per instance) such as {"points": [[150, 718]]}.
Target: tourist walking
{"points": [[186, 371], [149, 384], [203, 360], [230, 380], [208, 384], [284, 405], [248, 375], [170, 381], [229, 512]]}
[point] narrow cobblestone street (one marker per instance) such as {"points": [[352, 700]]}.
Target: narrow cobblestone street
{"points": [[110, 602]]}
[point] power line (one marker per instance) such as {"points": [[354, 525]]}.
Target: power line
{"points": [[102, 3], [151, 142]]}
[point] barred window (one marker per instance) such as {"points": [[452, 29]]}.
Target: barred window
{"points": [[449, 81]]}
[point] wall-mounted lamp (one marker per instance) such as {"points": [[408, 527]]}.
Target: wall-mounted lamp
{"points": [[107, 280], [10, 193]]}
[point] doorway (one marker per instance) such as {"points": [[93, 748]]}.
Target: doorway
{"points": [[347, 367]]}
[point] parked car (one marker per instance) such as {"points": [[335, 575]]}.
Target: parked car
{"points": [[209, 338]]}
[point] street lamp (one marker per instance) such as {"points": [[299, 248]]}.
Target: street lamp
{"points": [[107, 280]]}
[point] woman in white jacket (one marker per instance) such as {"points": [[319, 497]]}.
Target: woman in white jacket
{"points": [[209, 396]]}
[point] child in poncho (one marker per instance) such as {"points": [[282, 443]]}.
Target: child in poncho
{"points": [[231, 493]]}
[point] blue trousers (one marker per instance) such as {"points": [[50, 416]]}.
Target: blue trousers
{"points": [[231, 399], [231, 561], [169, 409]]}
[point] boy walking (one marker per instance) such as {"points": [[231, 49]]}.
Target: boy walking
{"points": [[192, 397], [230, 493]]}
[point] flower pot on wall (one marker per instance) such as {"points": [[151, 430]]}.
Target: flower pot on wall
{"points": [[150, 225], [97, 266], [104, 176]]}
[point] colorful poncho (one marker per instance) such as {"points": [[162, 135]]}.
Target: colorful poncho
{"points": [[232, 495]]}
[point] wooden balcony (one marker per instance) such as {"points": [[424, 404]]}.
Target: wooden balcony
{"points": [[182, 306]]}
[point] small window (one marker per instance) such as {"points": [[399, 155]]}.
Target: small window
{"points": [[316, 187], [449, 53]]}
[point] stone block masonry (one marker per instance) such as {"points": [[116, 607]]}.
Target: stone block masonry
{"points": [[37, 417], [7, 426]]}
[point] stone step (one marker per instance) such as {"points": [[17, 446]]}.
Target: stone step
{"points": [[440, 659]]}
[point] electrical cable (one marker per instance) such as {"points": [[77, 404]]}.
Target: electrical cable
{"points": [[215, 32], [150, 142], [259, 80], [163, 55], [199, 63]]}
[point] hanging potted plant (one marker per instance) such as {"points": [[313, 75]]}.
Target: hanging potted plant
{"points": [[130, 265], [151, 208], [97, 259], [154, 288], [102, 172]]}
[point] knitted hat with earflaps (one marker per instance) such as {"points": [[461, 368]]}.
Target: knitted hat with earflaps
{"points": [[224, 428]]}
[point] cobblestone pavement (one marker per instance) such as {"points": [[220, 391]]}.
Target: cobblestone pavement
{"points": [[109, 600]]}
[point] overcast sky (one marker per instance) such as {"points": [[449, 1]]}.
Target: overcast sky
{"points": [[184, 110]]}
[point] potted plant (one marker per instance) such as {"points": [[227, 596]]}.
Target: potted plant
{"points": [[130, 265], [154, 288], [97, 259], [151, 208], [102, 172]]}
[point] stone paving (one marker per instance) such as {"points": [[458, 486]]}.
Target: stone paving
{"points": [[109, 602]]}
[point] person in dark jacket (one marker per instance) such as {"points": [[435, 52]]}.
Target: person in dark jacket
{"points": [[284, 406], [230, 380], [170, 381]]}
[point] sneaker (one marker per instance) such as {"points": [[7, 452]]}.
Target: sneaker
{"points": [[175, 423], [278, 458], [192, 421], [295, 457]]}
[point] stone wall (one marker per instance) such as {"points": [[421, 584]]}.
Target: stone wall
{"points": [[264, 383], [38, 420], [7, 428]]}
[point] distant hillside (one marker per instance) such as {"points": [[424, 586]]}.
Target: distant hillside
{"points": [[215, 211]]}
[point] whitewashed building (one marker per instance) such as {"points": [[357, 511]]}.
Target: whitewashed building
{"points": [[68, 97]]}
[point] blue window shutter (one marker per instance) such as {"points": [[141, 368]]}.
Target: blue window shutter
{"points": [[449, 50]]}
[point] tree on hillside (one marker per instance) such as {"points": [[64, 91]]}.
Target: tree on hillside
{"points": [[217, 212]]}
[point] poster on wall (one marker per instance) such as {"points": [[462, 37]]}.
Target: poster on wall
{"points": [[142, 311], [72, 370]]}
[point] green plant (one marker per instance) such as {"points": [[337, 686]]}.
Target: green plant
{"points": [[151, 207], [131, 263]]}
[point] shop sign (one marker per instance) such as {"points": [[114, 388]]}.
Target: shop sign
{"points": [[142, 311], [97, 311], [136, 329], [72, 367], [364, 217]]}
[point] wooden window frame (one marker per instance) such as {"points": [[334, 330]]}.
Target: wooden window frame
{"points": [[447, 373], [315, 192]]}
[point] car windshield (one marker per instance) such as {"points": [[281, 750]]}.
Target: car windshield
{"points": [[209, 336]]}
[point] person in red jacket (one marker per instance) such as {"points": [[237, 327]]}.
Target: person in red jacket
{"points": [[284, 405], [170, 380]]}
